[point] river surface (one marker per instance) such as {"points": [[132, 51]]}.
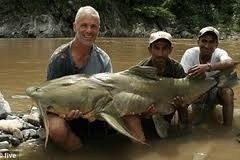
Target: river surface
{"points": [[23, 63]]}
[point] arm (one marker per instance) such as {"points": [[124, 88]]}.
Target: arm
{"points": [[226, 64], [200, 69]]}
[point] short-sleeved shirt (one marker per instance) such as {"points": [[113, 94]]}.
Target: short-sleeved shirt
{"points": [[173, 69], [191, 58], [62, 64]]}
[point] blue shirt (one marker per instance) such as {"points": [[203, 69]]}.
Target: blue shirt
{"points": [[62, 64]]}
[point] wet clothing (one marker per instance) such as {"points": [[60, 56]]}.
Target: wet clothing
{"points": [[62, 64]]}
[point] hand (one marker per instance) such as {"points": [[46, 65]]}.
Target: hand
{"points": [[73, 114], [150, 111], [198, 70], [178, 102]]}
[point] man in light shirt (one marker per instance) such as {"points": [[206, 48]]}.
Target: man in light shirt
{"points": [[206, 60]]}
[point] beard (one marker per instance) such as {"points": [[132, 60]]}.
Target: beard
{"points": [[160, 64]]}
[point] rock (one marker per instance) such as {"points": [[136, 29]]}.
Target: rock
{"points": [[27, 125], [3, 115], [14, 141], [34, 117], [18, 134], [4, 105], [11, 117], [7, 137], [4, 137], [186, 34], [29, 133], [4, 145], [10, 126]]}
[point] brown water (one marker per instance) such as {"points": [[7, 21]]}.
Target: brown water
{"points": [[23, 63]]}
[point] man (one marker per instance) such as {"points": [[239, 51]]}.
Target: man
{"points": [[80, 55], [160, 47], [206, 60]]}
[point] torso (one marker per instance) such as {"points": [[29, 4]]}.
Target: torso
{"points": [[63, 63], [192, 57]]}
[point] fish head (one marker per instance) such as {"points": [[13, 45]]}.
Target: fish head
{"points": [[64, 94]]}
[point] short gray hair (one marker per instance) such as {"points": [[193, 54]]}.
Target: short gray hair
{"points": [[87, 10]]}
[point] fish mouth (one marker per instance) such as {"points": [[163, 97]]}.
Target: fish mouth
{"points": [[30, 91]]}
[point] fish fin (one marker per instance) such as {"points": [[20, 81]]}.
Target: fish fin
{"points": [[143, 71], [161, 125], [118, 124]]}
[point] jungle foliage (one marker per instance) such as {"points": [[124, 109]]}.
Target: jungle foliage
{"points": [[187, 14]]}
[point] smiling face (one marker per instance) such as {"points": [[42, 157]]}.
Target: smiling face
{"points": [[86, 28], [207, 44]]}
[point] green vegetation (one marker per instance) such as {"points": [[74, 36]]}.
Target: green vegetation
{"points": [[189, 15]]}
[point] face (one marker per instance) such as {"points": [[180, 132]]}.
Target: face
{"points": [[86, 29], [208, 44], [160, 49]]}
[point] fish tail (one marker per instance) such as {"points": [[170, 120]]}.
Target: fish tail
{"points": [[229, 80]]}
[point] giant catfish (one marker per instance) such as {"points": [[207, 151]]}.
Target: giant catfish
{"points": [[110, 96]]}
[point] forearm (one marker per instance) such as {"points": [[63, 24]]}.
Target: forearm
{"points": [[228, 64]]}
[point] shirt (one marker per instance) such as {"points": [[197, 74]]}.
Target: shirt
{"points": [[191, 58], [62, 64]]}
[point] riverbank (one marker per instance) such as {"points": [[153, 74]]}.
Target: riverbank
{"points": [[21, 19], [47, 26]]}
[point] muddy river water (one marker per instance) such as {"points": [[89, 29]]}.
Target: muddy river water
{"points": [[23, 63]]}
